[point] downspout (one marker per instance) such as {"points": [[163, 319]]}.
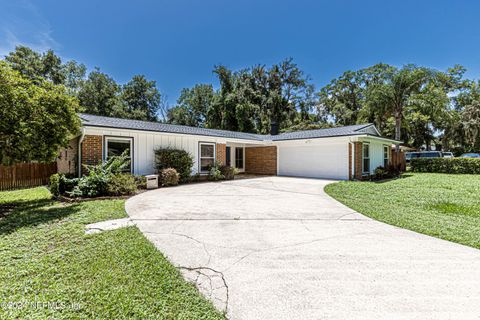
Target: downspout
{"points": [[82, 136]]}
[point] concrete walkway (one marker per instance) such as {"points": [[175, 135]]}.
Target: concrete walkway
{"points": [[280, 248]]}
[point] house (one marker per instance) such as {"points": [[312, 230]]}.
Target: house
{"points": [[349, 152]]}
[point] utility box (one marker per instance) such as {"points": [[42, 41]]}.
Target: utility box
{"points": [[152, 181]]}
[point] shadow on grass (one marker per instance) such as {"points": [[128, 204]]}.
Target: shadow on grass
{"points": [[31, 213], [403, 176]]}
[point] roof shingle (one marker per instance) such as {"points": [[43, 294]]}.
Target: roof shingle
{"points": [[108, 122]]}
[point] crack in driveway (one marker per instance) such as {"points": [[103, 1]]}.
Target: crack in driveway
{"points": [[211, 289]]}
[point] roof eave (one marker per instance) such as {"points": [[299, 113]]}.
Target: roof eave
{"points": [[393, 141], [169, 132]]}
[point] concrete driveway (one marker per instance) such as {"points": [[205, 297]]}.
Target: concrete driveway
{"points": [[280, 248]]}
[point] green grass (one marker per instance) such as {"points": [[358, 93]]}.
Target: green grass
{"points": [[45, 257], [446, 206]]}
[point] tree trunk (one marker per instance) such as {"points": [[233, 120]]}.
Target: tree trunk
{"points": [[398, 125]]}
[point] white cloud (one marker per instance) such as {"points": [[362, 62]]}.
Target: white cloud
{"points": [[21, 23]]}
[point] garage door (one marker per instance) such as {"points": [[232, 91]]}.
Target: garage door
{"points": [[315, 161]]}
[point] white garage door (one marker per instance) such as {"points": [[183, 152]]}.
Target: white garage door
{"points": [[314, 161]]}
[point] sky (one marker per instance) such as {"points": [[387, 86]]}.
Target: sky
{"points": [[178, 42]]}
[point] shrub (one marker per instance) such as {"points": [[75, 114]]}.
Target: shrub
{"points": [[215, 174], [228, 172], [446, 165], [95, 183], [54, 184], [180, 160], [169, 177], [386, 173], [66, 184], [140, 181], [121, 184]]}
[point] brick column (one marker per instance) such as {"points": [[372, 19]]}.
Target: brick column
{"points": [[261, 160], [357, 146], [91, 151], [221, 153]]}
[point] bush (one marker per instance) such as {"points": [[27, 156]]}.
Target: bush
{"points": [[169, 177], [386, 173], [446, 165], [228, 172], [140, 181], [60, 184], [215, 174], [121, 184], [180, 160], [95, 183], [54, 184]]}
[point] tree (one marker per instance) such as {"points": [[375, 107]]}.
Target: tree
{"points": [[74, 75], [99, 95], [192, 106], [141, 99], [36, 66], [468, 107], [281, 89], [36, 119], [344, 98], [394, 93]]}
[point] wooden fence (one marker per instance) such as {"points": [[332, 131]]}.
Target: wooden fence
{"points": [[398, 160], [24, 175]]}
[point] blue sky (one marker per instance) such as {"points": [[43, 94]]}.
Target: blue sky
{"points": [[177, 42]]}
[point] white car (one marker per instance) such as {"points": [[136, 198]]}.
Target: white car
{"points": [[447, 154]]}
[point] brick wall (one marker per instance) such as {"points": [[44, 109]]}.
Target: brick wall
{"points": [[67, 159], [261, 160], [91, 150], [357, 146], [221, 153]]}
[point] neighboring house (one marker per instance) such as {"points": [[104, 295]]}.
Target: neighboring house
{"points": [[350, 152]]}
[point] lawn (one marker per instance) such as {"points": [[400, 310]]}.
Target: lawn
{"points": [[446, 206], [50, 269]]}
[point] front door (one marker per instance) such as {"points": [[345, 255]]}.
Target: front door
{"points": [[239, 158], [228, 157]]}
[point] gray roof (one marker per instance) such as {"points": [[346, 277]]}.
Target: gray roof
{"points": [[108, 122]]}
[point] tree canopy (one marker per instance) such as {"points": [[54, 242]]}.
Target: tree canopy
{"points": [[37, 117], [415, 104], [98, 93]]}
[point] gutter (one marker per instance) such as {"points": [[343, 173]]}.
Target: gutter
{"points": [[82, 136]]}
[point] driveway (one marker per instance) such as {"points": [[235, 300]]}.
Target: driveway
{"points": [[280, 248]]}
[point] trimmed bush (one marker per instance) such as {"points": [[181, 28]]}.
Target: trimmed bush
{"points": [[228, 172], [169, 177], [121, 184], [54, 184], [178, 159], [446, 165]]}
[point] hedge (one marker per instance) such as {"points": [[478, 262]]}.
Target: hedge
{"points": [[446, 165]]}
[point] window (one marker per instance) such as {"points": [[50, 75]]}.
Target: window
{"points": [[207, 156], [386, 156], [366, 157], [239, 158], [116, 146]]}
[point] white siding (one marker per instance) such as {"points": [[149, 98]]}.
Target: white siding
{"points": [[319, 158], [144, 144], [376, 153]]}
